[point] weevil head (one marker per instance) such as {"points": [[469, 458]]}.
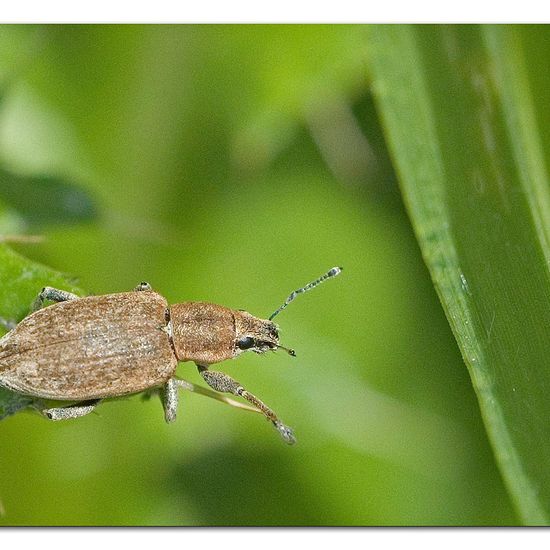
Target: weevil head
{"points": [[254, 334], [208, 333]]}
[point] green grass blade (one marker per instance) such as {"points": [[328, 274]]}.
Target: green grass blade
{"points": [[459, 119]]}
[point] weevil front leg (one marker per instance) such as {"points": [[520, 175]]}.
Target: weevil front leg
{"points": [[224, 383], [54, 295], [72, 411]]}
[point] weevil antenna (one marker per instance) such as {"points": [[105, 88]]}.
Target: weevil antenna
{"points": [[290, 351], [332, 273]]}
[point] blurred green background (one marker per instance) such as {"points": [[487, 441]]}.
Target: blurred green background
{"points": [[233, 164]]}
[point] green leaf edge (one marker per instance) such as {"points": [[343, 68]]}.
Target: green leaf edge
{"points": [[442, 261], [20, 281]]}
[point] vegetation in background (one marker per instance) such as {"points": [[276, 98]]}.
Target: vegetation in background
{"points": [[233, 164]]}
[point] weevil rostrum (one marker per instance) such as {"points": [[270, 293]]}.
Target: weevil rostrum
{"points": [[85, 349]]}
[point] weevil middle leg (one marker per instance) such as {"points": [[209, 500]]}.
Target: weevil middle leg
{"points": [[170, 398], [224, 383]]}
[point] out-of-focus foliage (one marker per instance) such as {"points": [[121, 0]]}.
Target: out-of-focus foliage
{"points": [[43, 200], [233, 164]]}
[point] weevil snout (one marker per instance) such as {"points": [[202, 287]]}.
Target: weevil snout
{"points": [[255, 334]]}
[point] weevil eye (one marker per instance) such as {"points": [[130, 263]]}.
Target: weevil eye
{"points": [[245, 343]]}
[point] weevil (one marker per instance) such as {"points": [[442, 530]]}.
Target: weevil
{"points": [[85, 349]]}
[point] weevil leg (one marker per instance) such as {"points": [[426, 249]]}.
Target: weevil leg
{"points": [[170, 397], [170, 400], [54, 295], [224, 383], [207, 392], [143, 286], [72, 411]]}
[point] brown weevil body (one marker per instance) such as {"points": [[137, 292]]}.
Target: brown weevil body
{"points": [[84, 350]]}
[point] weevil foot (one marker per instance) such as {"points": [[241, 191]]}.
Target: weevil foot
{"points": [[286, 433]]}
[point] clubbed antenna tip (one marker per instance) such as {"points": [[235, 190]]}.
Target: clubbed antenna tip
{"points": [[331, 273]]}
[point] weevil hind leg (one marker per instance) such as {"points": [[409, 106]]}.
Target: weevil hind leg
{"points": [[222, 382], [72, 411], [54, 295]]}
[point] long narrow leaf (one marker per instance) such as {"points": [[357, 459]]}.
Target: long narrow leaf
{"points": [[458, 114]]}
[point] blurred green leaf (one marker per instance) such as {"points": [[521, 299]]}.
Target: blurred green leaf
{"points": [[45, 200], [459, 117], [20, 282]]}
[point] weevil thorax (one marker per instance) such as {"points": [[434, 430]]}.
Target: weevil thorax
{"points": [[208, 333]]}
